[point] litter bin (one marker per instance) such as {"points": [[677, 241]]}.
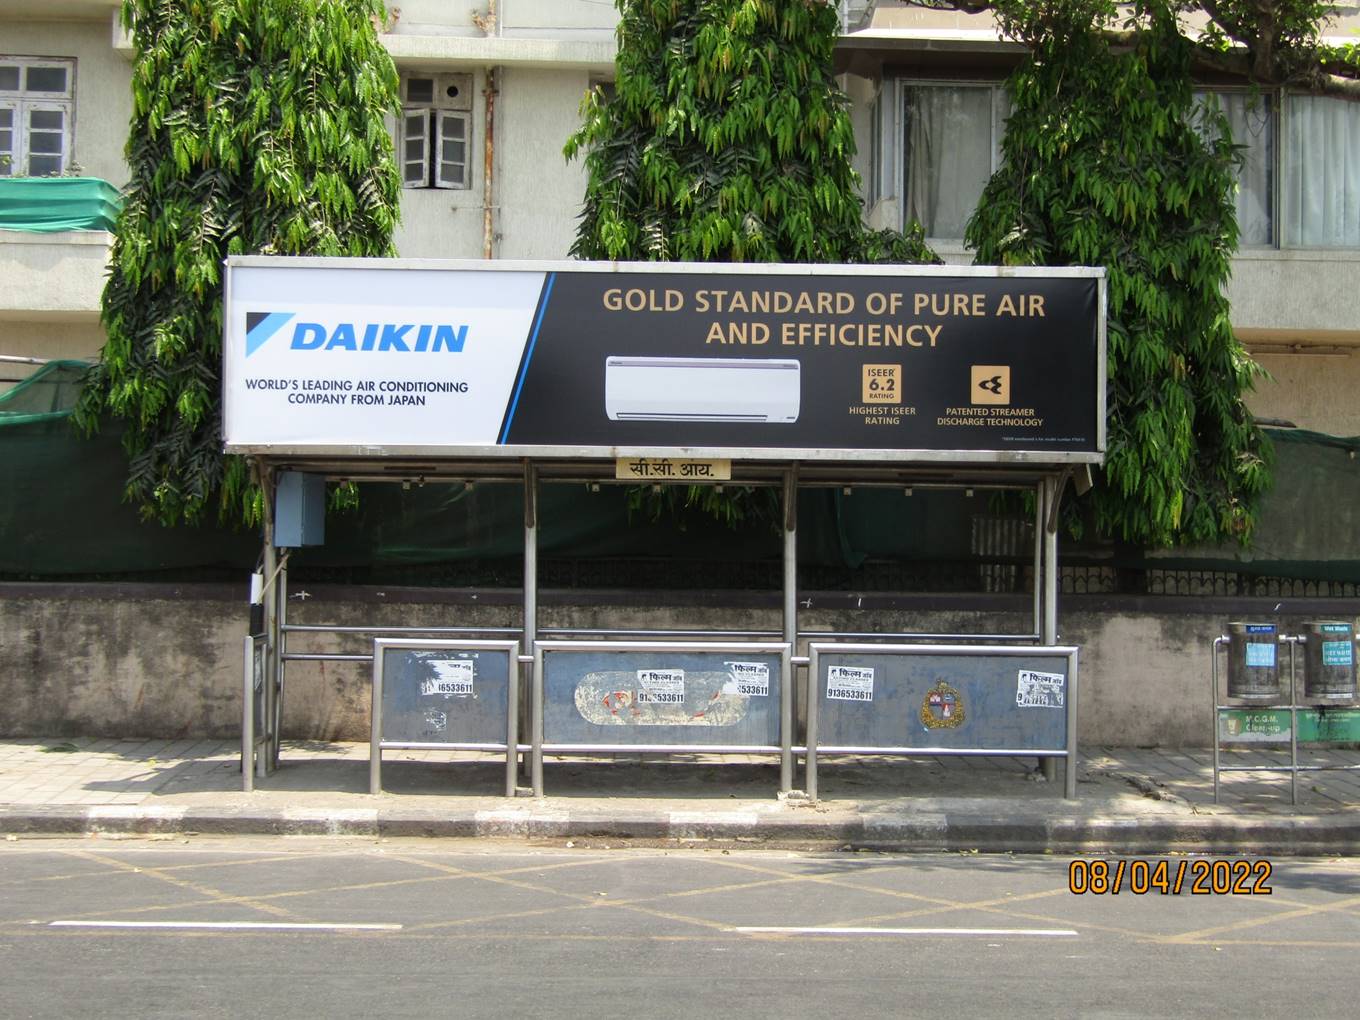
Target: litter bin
{"points": [[1253, 662], [1328, 661]]}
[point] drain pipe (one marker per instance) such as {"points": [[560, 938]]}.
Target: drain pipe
{"points": [[488, 171], [489, 23]]}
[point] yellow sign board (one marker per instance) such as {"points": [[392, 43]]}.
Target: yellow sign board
{"points": [[672, 469]]}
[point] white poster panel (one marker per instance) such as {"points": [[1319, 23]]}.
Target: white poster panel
{"points": [[373, 356]]}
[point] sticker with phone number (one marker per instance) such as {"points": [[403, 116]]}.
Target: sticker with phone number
{"points": [[751, 679], [850, 683], [661, 687]]}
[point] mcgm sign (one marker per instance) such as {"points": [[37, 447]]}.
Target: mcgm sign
{"points": [[816, 363]]}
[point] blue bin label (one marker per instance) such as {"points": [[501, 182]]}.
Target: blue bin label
{"points": [[1337, 653], [1260, 628], [1261, 654]]}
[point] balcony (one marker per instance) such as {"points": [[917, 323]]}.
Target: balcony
{"points": [[1296, 297], [54, 246]]}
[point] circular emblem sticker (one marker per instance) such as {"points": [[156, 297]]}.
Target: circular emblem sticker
{"points": [[942, 708]]}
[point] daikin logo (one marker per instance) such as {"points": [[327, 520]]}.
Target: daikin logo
{"points": [[384, 337]]}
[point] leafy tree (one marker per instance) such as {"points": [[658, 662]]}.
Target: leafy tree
{"points": [[257, 127], [1279, 42], [1266, 42], [1108, 161], [726, 140]]}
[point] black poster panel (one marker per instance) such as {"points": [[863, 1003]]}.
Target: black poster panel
{"points": [[750, 361]]}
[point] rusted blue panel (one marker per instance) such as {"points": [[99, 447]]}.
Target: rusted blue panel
{"points": [[661, 698], [1012, 701], [445, 695]]}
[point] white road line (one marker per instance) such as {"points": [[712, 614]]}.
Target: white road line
{"points": [[227, 925], [1033, 932]]}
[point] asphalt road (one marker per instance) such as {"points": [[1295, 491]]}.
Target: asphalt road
{"points": [[303, 928]]}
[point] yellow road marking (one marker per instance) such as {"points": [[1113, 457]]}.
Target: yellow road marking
{"points": [[215, 895], [1252, 922]]}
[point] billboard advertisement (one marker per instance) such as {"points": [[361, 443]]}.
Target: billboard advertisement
{"points": [[894, 363]]}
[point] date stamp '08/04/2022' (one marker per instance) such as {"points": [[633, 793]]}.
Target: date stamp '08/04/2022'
{"points": [[1196, 876]]}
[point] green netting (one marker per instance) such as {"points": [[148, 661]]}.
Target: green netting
{"points": [[1309, 526], [49, 392], [61, 508], [45, 204], [62, 515]]}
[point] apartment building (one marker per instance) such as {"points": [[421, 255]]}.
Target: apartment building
{"points": [[489, 96]]}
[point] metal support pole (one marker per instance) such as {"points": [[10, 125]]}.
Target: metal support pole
{"points": [[1213, 675], [1070, 766], [814, 694], [376, 728], [1037, 625], [531, 625], [248, 719], [1050, 628], [786, 687], [281, 662], [273, 653], [1293, 726], [512, 674]]}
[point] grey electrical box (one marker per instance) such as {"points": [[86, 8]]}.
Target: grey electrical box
{"points": [[299, 510]]}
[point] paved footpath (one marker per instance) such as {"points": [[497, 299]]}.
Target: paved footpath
{"points": [[1129, 800]]}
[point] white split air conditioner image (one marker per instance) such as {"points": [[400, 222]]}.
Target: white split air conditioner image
{"points": [[701, 389]]}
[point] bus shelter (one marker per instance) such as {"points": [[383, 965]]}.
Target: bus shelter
{"points": [[792, 376]]}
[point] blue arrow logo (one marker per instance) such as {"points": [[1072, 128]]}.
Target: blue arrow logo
{"points": [[260, 326]]}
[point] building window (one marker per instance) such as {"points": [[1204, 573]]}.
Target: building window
{"points": [[1321, 172], [875, 193], [605, 86], [1251, 121], [436, 130], [951, 147], [36, 100], [1302, 191]]}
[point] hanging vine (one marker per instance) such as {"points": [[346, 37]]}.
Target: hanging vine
{"points": [[257, 127], [1108, 161], [727, 139]]}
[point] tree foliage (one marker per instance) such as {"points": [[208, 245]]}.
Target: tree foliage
{"points": [[1106, 165], [1265, 42], [726, 140], [257, 127], [1279, 42]]}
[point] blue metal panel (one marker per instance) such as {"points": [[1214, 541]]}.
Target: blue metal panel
{"points": [[444, 696], [661, 698], [299, 510], [1011, 701]]}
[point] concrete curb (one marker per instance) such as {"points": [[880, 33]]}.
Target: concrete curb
{"points": [[934, 830]]}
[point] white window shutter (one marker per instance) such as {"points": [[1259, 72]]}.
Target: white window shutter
{"points": [[451, 151], [9, 139], [415, 148], [46, 142]]}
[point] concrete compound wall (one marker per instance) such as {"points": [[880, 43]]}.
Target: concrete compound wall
{"points": [[155, 661]]}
